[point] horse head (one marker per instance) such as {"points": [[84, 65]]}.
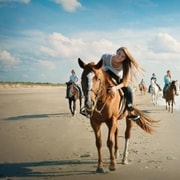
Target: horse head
{"points": [[175, 86], [92, 81]]}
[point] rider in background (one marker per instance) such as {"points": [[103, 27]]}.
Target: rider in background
{"points": [[73, 79], [167, 81], [154, 78], [142, 82]]}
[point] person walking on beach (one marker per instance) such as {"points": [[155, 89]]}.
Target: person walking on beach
{"points": [[122, 66], [154, 78], [73, 79], [167, 81]]}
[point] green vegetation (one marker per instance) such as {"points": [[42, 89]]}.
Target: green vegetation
{"points": [[29, 84]]}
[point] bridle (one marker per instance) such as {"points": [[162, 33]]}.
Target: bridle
{"points": [[97, 95]]}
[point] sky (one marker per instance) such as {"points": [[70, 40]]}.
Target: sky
{"points": [[41, 40]]}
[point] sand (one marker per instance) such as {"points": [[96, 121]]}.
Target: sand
{"points": [[39, 139]]}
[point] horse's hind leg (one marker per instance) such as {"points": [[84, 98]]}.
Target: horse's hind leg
{"points": [[74, 107], [127, 137]]}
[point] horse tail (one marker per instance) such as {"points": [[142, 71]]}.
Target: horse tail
{"points": [[145, 122]]}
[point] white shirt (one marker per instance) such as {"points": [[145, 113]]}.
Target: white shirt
{"points": [[107, 65], [74, 78]]}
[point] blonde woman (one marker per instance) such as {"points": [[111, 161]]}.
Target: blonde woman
{"points": [[123, 68]]}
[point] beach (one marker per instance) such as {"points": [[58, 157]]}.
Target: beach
{"points": [[39, 139]]}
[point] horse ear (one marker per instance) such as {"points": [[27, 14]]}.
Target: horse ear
{"points": [[99, 64], [81, 63]]}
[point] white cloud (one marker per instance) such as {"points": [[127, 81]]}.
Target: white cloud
{"points": [[62, 46], [163, 43], [48, 64], [7, 59], [69, 5]]}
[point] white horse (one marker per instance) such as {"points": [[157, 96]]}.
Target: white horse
{"points": [[154, 90]]}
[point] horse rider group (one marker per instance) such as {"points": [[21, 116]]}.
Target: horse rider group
{"points": [[167, 81]]}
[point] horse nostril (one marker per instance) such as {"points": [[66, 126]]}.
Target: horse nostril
{"points": [[89, 104]]}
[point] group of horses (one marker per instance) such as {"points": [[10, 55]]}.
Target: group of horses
{"points": [[102, 107], [169, 94]]}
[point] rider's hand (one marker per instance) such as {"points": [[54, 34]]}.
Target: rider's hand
{"points": [[112, 89]]}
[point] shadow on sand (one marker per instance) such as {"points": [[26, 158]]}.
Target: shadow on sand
{"points": [[46, 168], [37, 116]]}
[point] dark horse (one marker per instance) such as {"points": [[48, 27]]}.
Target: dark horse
{"points": [[102, 107], [73, 96], [170, 93]]}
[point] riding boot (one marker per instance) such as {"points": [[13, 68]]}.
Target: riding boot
{"points": [[130, 113]]}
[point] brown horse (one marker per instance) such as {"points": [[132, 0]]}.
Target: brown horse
{"points": [[73, 96], [102, 107], [169, 95], [142, 88]]}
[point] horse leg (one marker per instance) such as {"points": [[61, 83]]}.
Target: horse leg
{"points": [[169, 106], [116, 147], [70, 106], [166, 105], [112, 125], [97, 132], [74, 107], [127, 137], [172, 106]]}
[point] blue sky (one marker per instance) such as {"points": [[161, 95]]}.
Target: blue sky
{"points": [[41, 40]]}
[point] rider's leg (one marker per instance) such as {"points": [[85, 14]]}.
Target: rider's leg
{"points": [[129, 97], [80, 90]]}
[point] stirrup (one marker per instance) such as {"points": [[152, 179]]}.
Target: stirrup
{"points": [[83, 112], [134, 117]]}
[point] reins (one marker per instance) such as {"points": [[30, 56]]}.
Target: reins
{"points": [[97, 95]]}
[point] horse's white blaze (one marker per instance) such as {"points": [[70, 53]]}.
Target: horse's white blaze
{"points": [[90, 85]]}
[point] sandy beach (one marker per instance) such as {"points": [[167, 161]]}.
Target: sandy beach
{"points": [[39, 139]]}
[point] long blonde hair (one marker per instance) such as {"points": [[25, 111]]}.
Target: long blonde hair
{"points": [[130, 67]]}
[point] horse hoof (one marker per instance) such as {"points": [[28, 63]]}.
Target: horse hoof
{"points": [[112, 168], [124, 161], [99, 170]]}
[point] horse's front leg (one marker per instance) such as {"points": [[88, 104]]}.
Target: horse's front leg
{"points": [[70, 106], [129, 124], [97, 131], [116, 147], [112, 125]]}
